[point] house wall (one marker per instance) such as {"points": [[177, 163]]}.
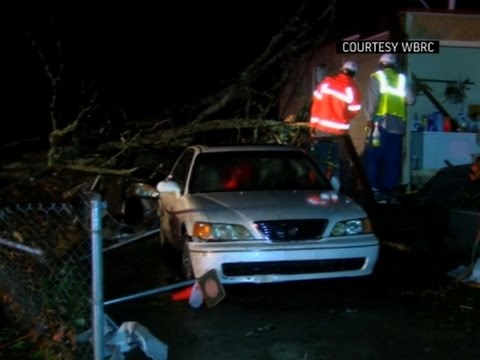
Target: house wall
{"points": [[451, 64], [458, 60], [442, 25]]}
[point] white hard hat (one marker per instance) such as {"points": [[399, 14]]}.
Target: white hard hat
{"points": [[350, 66], [388, 59]]}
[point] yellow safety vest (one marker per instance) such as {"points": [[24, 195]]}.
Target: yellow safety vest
{"points": [[392, 87]]}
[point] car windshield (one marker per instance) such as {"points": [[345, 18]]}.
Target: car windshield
{"points": [[255, 170]]}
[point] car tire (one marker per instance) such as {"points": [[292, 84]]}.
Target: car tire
{"points": [[186, 262]]}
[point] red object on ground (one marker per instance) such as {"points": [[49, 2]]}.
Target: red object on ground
{"points": [[182, 295]]}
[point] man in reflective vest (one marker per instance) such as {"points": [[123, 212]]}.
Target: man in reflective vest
{"points": [[387, 97], [336, 101]]}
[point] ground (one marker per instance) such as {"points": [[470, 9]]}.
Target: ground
{"points": [[409, 308]]}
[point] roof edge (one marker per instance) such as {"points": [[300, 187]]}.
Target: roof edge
{"points": [[440, 12]]}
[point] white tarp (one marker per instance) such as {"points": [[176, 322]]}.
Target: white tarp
{"points": [[467, 274]]}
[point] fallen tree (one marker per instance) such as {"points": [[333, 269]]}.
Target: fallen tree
{"points": [[214, 132], [244, 111], [252, 94]]}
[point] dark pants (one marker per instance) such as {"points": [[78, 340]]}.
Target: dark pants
{"points": [[383, 163], [326, 155], [331, 155]]}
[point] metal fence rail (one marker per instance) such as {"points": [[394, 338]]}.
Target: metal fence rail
{"points": [[45, 274]]}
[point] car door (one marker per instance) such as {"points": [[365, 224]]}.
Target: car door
{"points": [[172, 204]]}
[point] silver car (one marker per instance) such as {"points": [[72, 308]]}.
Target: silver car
{"points": [[261, 214]]}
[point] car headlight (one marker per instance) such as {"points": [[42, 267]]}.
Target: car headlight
{"points": [[352, 227], [219, 232]]}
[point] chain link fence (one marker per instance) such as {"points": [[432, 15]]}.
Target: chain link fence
{"points": [[45, 272]]}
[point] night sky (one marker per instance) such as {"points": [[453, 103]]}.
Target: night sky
{"points": [[145, 59]]}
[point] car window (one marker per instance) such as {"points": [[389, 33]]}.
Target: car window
{"points": [[180, 170], [256, 170]]}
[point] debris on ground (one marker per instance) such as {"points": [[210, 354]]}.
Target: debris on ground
{"points": [[260, 330], [130, 335], [196, 296], [211, 287], [207, 288], [182, 295], [470, 274]]}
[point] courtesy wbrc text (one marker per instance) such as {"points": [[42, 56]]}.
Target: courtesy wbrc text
{"points": [[385, 46]]}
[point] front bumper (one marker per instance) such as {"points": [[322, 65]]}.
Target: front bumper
{"points": [[267, 262]]}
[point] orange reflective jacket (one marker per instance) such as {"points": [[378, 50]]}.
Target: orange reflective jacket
{"points": [[336, 100]]}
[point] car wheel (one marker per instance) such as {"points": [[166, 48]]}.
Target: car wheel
{"points": [[186, 261]]}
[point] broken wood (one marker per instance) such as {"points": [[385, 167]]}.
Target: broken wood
{"points": [[422, 87]]}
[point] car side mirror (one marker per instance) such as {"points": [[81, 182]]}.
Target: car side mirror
{"points": [[169, 186], [142, 190]]}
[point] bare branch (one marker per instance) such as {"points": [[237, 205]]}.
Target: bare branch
{"points": [[85, 109], [54, 78], [99, 170]]}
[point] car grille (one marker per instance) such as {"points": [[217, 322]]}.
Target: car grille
{"points": [[291, 230], [292, 267]]}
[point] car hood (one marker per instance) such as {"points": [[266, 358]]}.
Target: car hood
{"points": [[273, 205]]}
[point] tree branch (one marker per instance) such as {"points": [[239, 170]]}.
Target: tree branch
{"points": [[54, 78], [277, 49]]}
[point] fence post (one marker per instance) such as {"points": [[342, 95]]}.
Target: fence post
{"points": [[96, 208]]}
